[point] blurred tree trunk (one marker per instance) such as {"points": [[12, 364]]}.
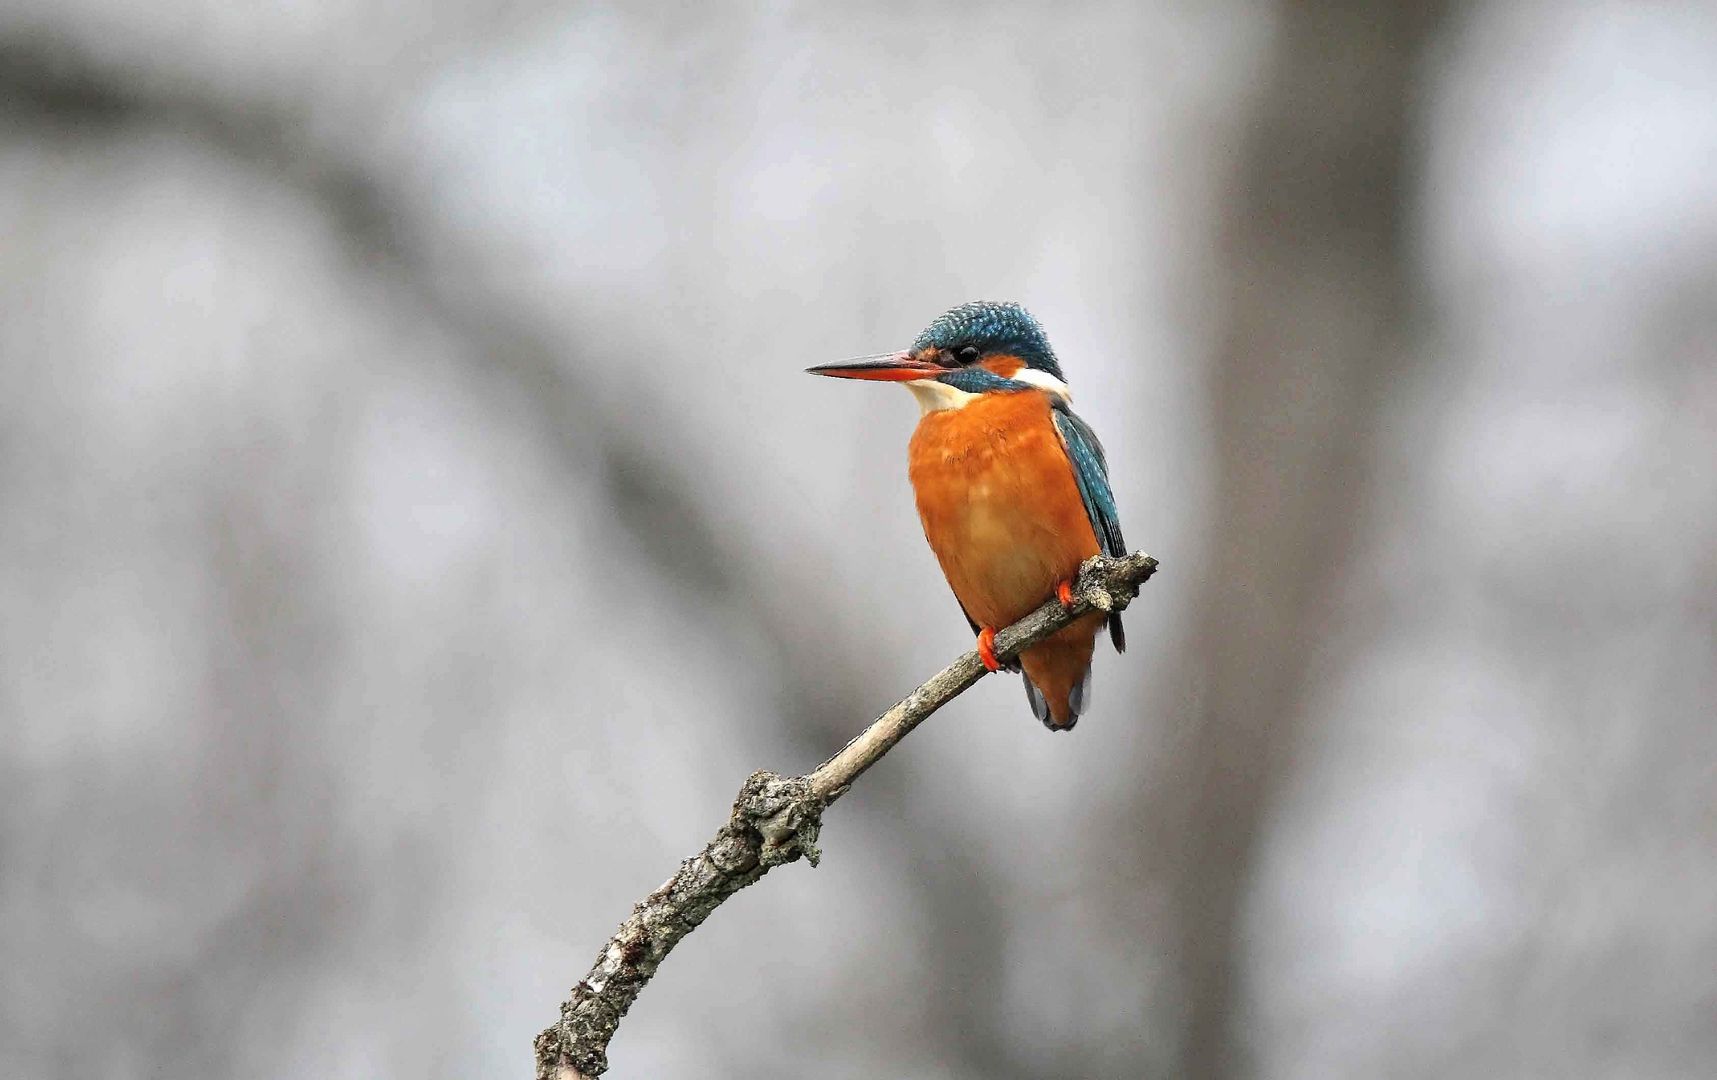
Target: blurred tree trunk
{"points": [[1320, 290]]}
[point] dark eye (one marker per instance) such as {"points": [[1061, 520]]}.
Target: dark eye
{"points": [[967, 354]]}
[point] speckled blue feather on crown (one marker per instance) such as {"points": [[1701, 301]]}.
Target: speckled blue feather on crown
{"points": [[992, 326]]}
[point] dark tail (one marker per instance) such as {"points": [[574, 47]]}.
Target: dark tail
{"points": [[1078, 700]]}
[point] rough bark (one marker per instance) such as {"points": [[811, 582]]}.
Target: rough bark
{"points": [[775, 820]]}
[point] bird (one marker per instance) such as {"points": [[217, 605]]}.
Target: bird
{"points": [[1012, 487]]}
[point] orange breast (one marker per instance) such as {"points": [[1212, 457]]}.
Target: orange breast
{"points": [[999, 504]]}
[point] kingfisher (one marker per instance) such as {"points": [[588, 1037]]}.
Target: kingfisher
{"points": [[1012, 487]]}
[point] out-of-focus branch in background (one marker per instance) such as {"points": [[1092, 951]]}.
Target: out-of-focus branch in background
{"points": [[347, 354], [514, 359], [1318, 309]]}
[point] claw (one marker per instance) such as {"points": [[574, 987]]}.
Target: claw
{"points": [[987, 648], [1064, 593]]}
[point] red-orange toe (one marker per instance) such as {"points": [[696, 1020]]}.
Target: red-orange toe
{"points": [[1064, 593], [987, 648]]}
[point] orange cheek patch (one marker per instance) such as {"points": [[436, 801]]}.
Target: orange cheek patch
{"points": [[1002, 364]]}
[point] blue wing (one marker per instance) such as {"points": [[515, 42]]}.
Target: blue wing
{"points": [[1091, 473]]}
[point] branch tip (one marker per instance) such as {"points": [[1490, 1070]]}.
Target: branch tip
{"points": [[776, 819]]}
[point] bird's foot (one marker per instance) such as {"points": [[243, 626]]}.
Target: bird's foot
{"points": [[987, 648], [1064, 593]]}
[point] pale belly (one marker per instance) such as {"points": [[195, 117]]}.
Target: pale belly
{"points": [[999, 505]]}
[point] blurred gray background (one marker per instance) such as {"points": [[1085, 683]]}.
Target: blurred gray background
{"points": [[414, 525]]}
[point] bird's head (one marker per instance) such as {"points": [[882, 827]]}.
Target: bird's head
{"points": [[984, 347]]}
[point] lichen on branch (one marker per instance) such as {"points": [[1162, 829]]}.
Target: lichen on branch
{"points": [[775, 820]]}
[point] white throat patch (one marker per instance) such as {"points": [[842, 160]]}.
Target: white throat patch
{"points": [[936, 396]]}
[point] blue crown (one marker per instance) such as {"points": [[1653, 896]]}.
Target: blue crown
{"points": [[994, 327]]}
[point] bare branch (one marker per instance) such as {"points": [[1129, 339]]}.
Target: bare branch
{"points": [[775, 820]]}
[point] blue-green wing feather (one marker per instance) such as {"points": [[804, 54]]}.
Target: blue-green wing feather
{"points": [[1091, 473]]}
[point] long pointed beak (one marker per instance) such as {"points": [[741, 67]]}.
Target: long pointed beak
{"points": [[894, 367]]}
